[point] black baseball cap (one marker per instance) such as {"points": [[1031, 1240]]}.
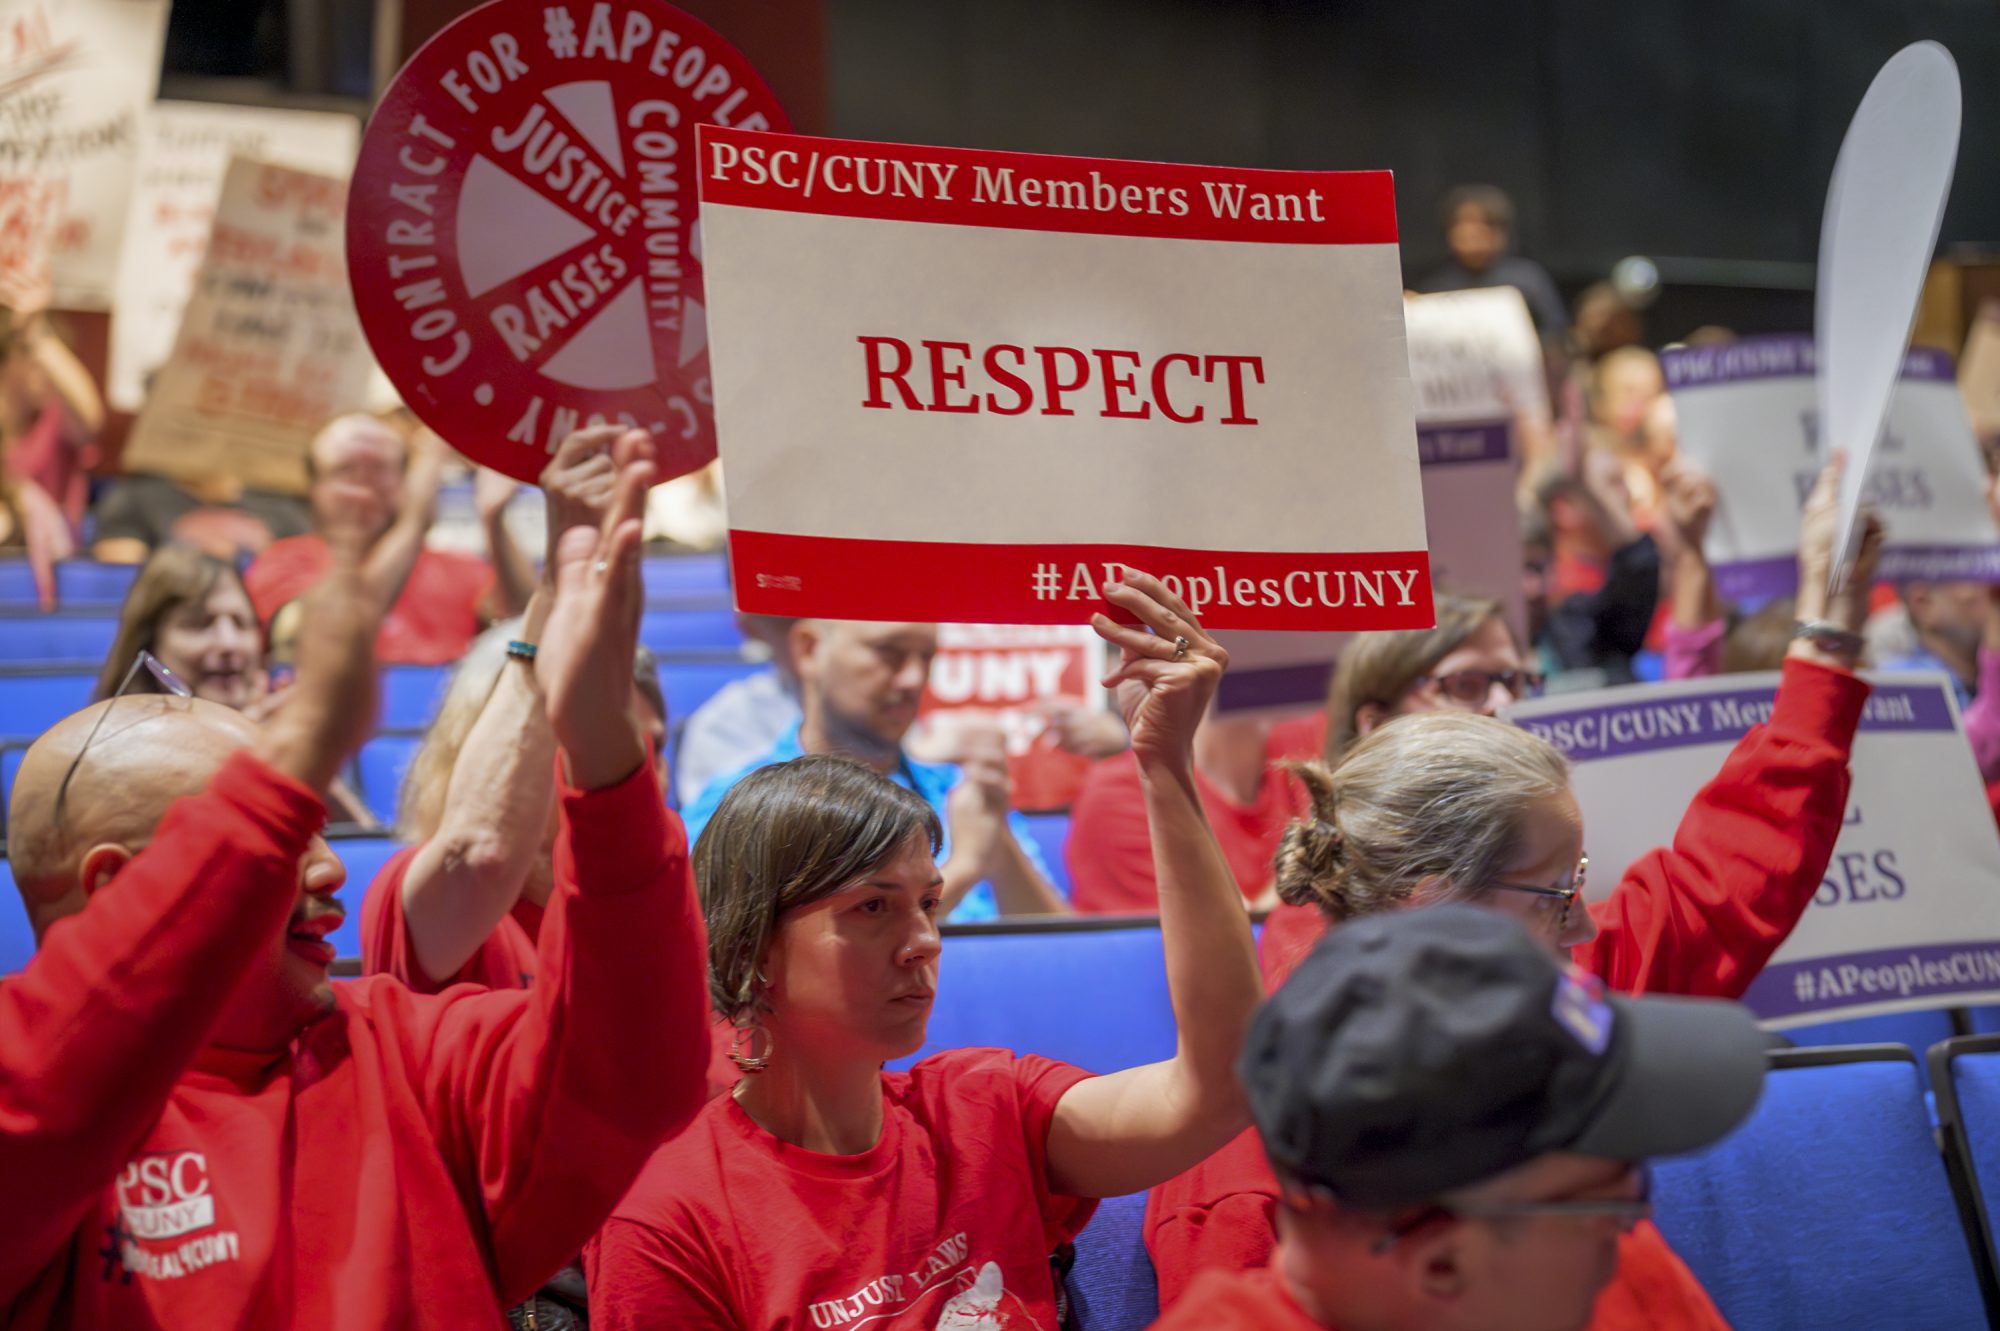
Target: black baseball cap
{"points": [[1421, 1051]]}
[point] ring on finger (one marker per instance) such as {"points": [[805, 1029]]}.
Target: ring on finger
{"points": [[1180, 648]]}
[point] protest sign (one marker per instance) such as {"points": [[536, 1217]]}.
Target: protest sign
{"points": [[1474, 356], [1883, 209], [522, 233], [75, 79], [268, 349], [184, 149], [965, 385], [1908, 913], [1745, 412], [1014, 677]]}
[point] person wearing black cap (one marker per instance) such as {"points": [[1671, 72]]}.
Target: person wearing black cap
{"points": [[1460, 1124]]}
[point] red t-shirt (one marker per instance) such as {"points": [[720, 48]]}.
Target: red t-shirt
{"points": [[947, 1222], [1110, 851], [409, 1161], [1253, 1300], [504, 960], [1297, 737], [433, 621], [1699, 917]]}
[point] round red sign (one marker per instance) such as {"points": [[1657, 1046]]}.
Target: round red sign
{"points": [[521, 228]]}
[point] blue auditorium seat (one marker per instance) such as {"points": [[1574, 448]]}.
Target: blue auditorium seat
{"points": [[690, 682], [1830, 1207], [675, 631], [17, 940], [1092, 992], [79, 583], [1983, 1020], [1051, 833], [62, 638], [1112, 1286], [1965, 1071], [411, 694], [686, 575], [1917, 1030], [363, 857], [380, 767], [33, 700]]}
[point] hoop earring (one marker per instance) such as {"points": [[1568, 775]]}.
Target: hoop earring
{"points": [[750, 1047]]}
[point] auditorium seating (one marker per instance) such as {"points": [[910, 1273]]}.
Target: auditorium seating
{"points": [[1051, 834], [378, 772], [1111, 1286], [79, 583], [32, 700], [1966, 1074], [1830, 1207], [1913, 1030]]}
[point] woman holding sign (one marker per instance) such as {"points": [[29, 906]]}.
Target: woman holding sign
{"points": [[1698, 918], [825, 1190]]}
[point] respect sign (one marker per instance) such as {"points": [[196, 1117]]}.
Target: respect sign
{"points": [[956, 385], [1014, 677], [75, 79], [268, 349], [1908, 914], [184, 150], [522, 231], [1748, 414]]}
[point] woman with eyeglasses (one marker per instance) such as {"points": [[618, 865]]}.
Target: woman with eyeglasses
{"points": [[1452, 806]]}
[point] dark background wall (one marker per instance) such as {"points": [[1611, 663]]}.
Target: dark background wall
{"points": [[1699, 132]]}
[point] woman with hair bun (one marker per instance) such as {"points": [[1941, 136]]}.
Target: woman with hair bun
{"points": [[1451, 806]]}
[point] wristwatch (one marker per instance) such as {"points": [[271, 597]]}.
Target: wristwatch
{"points": [[1829, 637]]}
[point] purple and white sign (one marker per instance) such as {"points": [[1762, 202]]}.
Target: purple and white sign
{"points": [[1747, 413], [1908, 913]]}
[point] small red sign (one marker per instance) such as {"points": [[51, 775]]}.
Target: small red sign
{"points": [[522, 232]]}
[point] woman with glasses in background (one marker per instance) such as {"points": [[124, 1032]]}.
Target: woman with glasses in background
{"points": [[1437, 801], [190, 611]]}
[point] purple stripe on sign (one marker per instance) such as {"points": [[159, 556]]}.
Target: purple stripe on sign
{"points": [[1850, 979], [1274, 686], [1623, 729], [1940, 563], [1746, 580], [1450, 445], [1779, 356]]}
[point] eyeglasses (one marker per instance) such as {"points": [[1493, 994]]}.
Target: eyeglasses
{"points": [[1474, 687], [168, 681], [1560, 899], [1628, 1211]]}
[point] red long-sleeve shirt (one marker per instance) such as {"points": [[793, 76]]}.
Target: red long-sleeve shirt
{"points": [[1699, 917], [408, 1161]]}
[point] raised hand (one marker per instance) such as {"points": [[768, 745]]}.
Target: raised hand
{"points": [[584, 665], [1818, 530], [492, 491], [1164, 679], [1689, 495], [579, 482]]}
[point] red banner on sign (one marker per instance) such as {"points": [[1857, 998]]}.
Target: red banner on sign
{"points": [[522, 230]]}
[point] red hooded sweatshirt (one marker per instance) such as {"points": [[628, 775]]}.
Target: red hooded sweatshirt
{"points": [[408, 1161], [1700, 917]]}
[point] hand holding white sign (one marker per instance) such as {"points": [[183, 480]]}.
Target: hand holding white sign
{"points": [[1883, 209], [1845, 606]]}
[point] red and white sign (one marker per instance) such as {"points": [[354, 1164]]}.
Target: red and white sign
{"points": [[522, 231], [956, 385], [1014, 677]]}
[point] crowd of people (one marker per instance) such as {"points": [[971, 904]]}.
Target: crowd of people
{"points": [[607, 1057]]}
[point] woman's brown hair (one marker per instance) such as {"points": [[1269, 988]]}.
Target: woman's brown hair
{"points": [[785, 836], [175, 576], [1378, 667]]}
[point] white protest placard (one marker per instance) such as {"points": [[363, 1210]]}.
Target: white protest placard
{"points": [[184, 149], [964, 385], [75, 79], [1474, 356], [269, 349], [1883, 209], [1745, 411], [1908, 913], [1014, 677]]}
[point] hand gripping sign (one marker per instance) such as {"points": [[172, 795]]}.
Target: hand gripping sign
{"points": [[522, 232], [971, 386]]}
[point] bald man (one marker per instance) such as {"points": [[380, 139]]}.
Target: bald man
{"points": [[438, 599], [198, 1129]]}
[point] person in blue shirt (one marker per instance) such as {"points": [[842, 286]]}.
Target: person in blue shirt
{"points": [[859, 685]]}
